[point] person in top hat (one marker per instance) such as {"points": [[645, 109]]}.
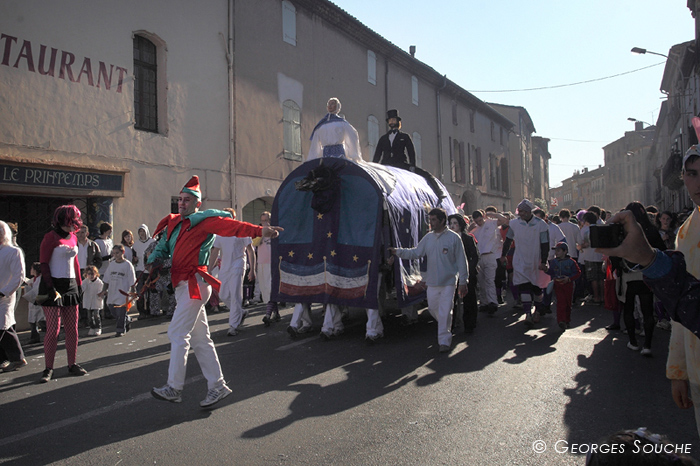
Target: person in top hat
{"points": [[187, 238], [395, 148]]}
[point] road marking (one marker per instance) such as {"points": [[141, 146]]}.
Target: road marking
{"points": [[84, 417]]}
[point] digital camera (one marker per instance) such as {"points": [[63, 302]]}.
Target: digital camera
{"points": [[607, 236]]}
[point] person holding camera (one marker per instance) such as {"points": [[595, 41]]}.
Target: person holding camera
{"points": [[631, 286], [675, 286]]}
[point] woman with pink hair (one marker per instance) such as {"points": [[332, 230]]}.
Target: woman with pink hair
{"points": [[61, 286]]}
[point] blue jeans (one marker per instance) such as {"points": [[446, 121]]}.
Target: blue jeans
{"points": [[119, 313]]}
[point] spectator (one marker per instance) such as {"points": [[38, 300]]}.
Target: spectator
{"points": [[12, 265]]}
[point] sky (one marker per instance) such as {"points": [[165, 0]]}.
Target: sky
{"points": [[510, 45]]}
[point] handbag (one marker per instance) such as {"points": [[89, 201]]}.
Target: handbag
{"points": [[610, 294]]}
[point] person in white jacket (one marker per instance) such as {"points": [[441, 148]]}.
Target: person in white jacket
{"points": [[447, 261], [12, 265]]}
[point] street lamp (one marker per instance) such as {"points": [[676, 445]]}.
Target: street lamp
{"points": [[642, 51], [635, 120]]}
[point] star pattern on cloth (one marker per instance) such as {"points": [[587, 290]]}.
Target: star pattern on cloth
{"points": [[311, 255], [319, 216], [355, 258], [329, 234], [333, 253], [291, 253]]}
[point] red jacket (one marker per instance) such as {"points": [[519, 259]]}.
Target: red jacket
{"points": [[188, 241]]}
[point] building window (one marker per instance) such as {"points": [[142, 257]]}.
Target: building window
{"points": [[454, 113], [472, 125], [414, 90], [493, 131], [371, 67], [504, 176], [500, 130], [289, 23], [493, 184], [372, 134], [145, 85], [417, 145], [457, 161], [478, 177], [292, 130]]}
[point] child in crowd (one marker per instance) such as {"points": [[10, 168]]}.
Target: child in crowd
{"points": [[36, 313], [92, 301], [564, 271], [119, 280]]}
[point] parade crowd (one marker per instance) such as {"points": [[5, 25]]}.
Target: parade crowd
{"points": [[478, 263]]}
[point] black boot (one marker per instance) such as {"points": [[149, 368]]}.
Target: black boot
{"points": [[34, 337]]}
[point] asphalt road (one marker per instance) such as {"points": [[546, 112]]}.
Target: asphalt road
{"points": [[310, 402]]}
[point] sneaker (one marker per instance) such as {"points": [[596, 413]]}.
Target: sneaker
{"points": [[327, 336], [46, 375], [119, 334], [632, 347], [4, 364], [245, 314], [98, 332], [14, 365], [214, 395], [76, 370], [613, 327], [646, 352], [444, 349], [91, 332], [293, 333], [371, 339], [276, 316], [167, 393], [232, 332], [304, 329], [500, 299], [266, 321]]}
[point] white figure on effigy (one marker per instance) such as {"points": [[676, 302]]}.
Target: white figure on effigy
{"points": [[334, 137]]}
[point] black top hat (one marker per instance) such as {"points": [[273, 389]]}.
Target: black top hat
{"points": [[393, 114]]}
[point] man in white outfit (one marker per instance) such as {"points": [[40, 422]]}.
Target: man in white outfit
{"points": [[233, 251], [447, 261], [530, 258], [488, 238]]}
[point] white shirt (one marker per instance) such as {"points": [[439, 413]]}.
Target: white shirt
{"points": [[488, 237], [82, 254], [573, 236], [119, 276], [232, 253]]}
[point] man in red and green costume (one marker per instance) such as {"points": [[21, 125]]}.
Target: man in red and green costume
{"points": [[187, 238]]}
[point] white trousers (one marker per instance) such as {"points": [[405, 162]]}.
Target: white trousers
{"points": [[374, 323], [440, 302], [487, 279], [301, 316], [190, 327], [231, 293], [333, 320], [264, 281]]}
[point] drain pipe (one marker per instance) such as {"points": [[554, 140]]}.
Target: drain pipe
{"points": [[439, 126], [230, 52]]}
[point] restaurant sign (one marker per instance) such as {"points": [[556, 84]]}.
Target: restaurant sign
{"points": [[68, 179]]}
